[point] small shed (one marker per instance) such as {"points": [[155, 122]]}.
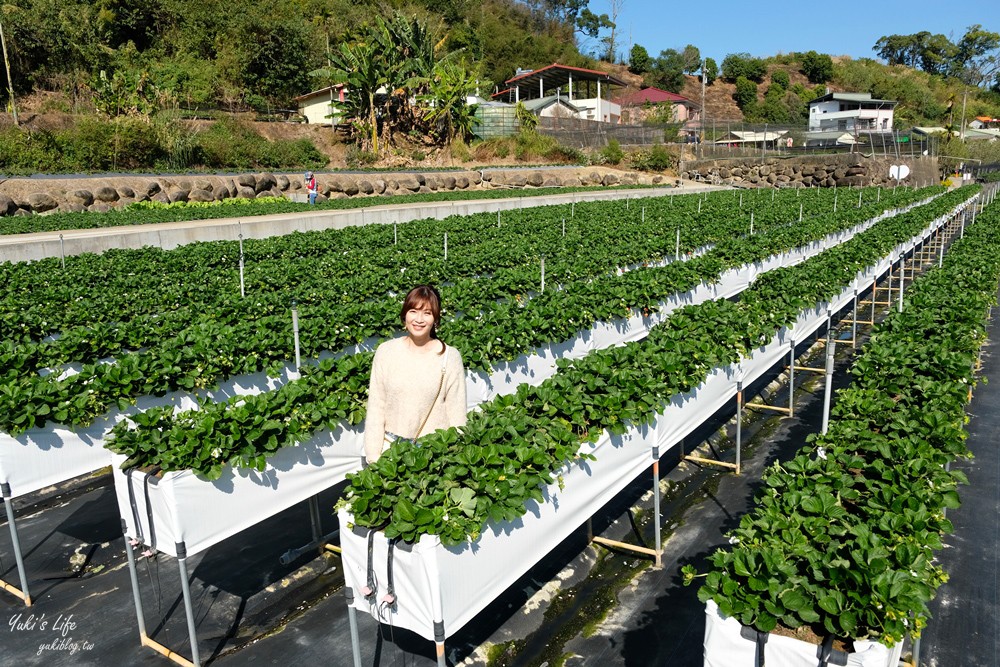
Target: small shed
{"points": [[496, 119], [828, 139], [552, 106], [748, 138], [320, 107]]}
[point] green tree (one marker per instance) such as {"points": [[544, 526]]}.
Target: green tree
{"points": [[667, 71], [978, 56], [361, 67], [692, 58], [818, 67], [122, 21], [774, 109], [710, 71], [639, 61], [447, 107], [780, 78], [736, 65], [938, 55], [590, 24], [898, 50], [526, 120], [745, 94], [273, 63]]}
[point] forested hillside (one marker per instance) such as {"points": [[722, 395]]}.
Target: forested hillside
{"points": [[237, 53], [133, 74]]}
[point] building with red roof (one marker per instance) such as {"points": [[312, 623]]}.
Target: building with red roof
{"points": [[640, 105]]}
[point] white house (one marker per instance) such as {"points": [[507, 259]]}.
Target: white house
{"points": [[851, 112], [320, 106], [585, 90]]}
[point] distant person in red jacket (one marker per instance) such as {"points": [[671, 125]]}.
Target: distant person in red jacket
{"points": [[312, 187]]}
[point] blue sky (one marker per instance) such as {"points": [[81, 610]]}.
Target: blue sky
{"points": [[780, 26]]}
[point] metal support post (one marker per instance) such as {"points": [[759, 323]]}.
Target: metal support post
{"points": [[314, 519], [295, 332], [144, 639], [22, 573], [874, 283], [140, 617], [791, 379], [352, 617], [901, 284], [188, 607], [656, 508], [854, 321], [739, 424], [828, 394], [243, 289], [439, 643]]}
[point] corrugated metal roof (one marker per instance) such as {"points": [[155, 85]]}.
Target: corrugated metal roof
{"points": [[851, 97], [554, 76], [321, 91], [540, 103]]}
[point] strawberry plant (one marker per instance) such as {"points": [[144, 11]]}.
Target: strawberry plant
{"points": [[843, 536], [534, 429], [177, 324], [560, 314]]}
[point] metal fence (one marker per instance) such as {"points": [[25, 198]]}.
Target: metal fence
{"points": [[582, 133], [733, 139]]}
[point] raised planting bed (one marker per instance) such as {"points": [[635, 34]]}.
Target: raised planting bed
{"points": [[841, 543]]}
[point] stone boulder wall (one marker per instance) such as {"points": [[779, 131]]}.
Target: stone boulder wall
{"points": [[28, 196], [824, 171]]}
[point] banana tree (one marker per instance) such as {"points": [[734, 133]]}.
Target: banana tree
{"points": [[361, 66], [448, 109]]}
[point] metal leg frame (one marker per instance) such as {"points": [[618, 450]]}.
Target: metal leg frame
{"points": [[739, 437], [319, 540], [657, 551], [22, 573], [352, 618], [144, 639]]}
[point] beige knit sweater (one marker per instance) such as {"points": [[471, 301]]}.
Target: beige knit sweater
{"points": [[403, 385]]}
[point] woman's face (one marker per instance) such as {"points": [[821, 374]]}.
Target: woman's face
{"points": [[420, 322]]}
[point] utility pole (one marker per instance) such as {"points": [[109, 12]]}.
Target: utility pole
{"points": [[965, 94], [701, 140], [10, 83]]}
